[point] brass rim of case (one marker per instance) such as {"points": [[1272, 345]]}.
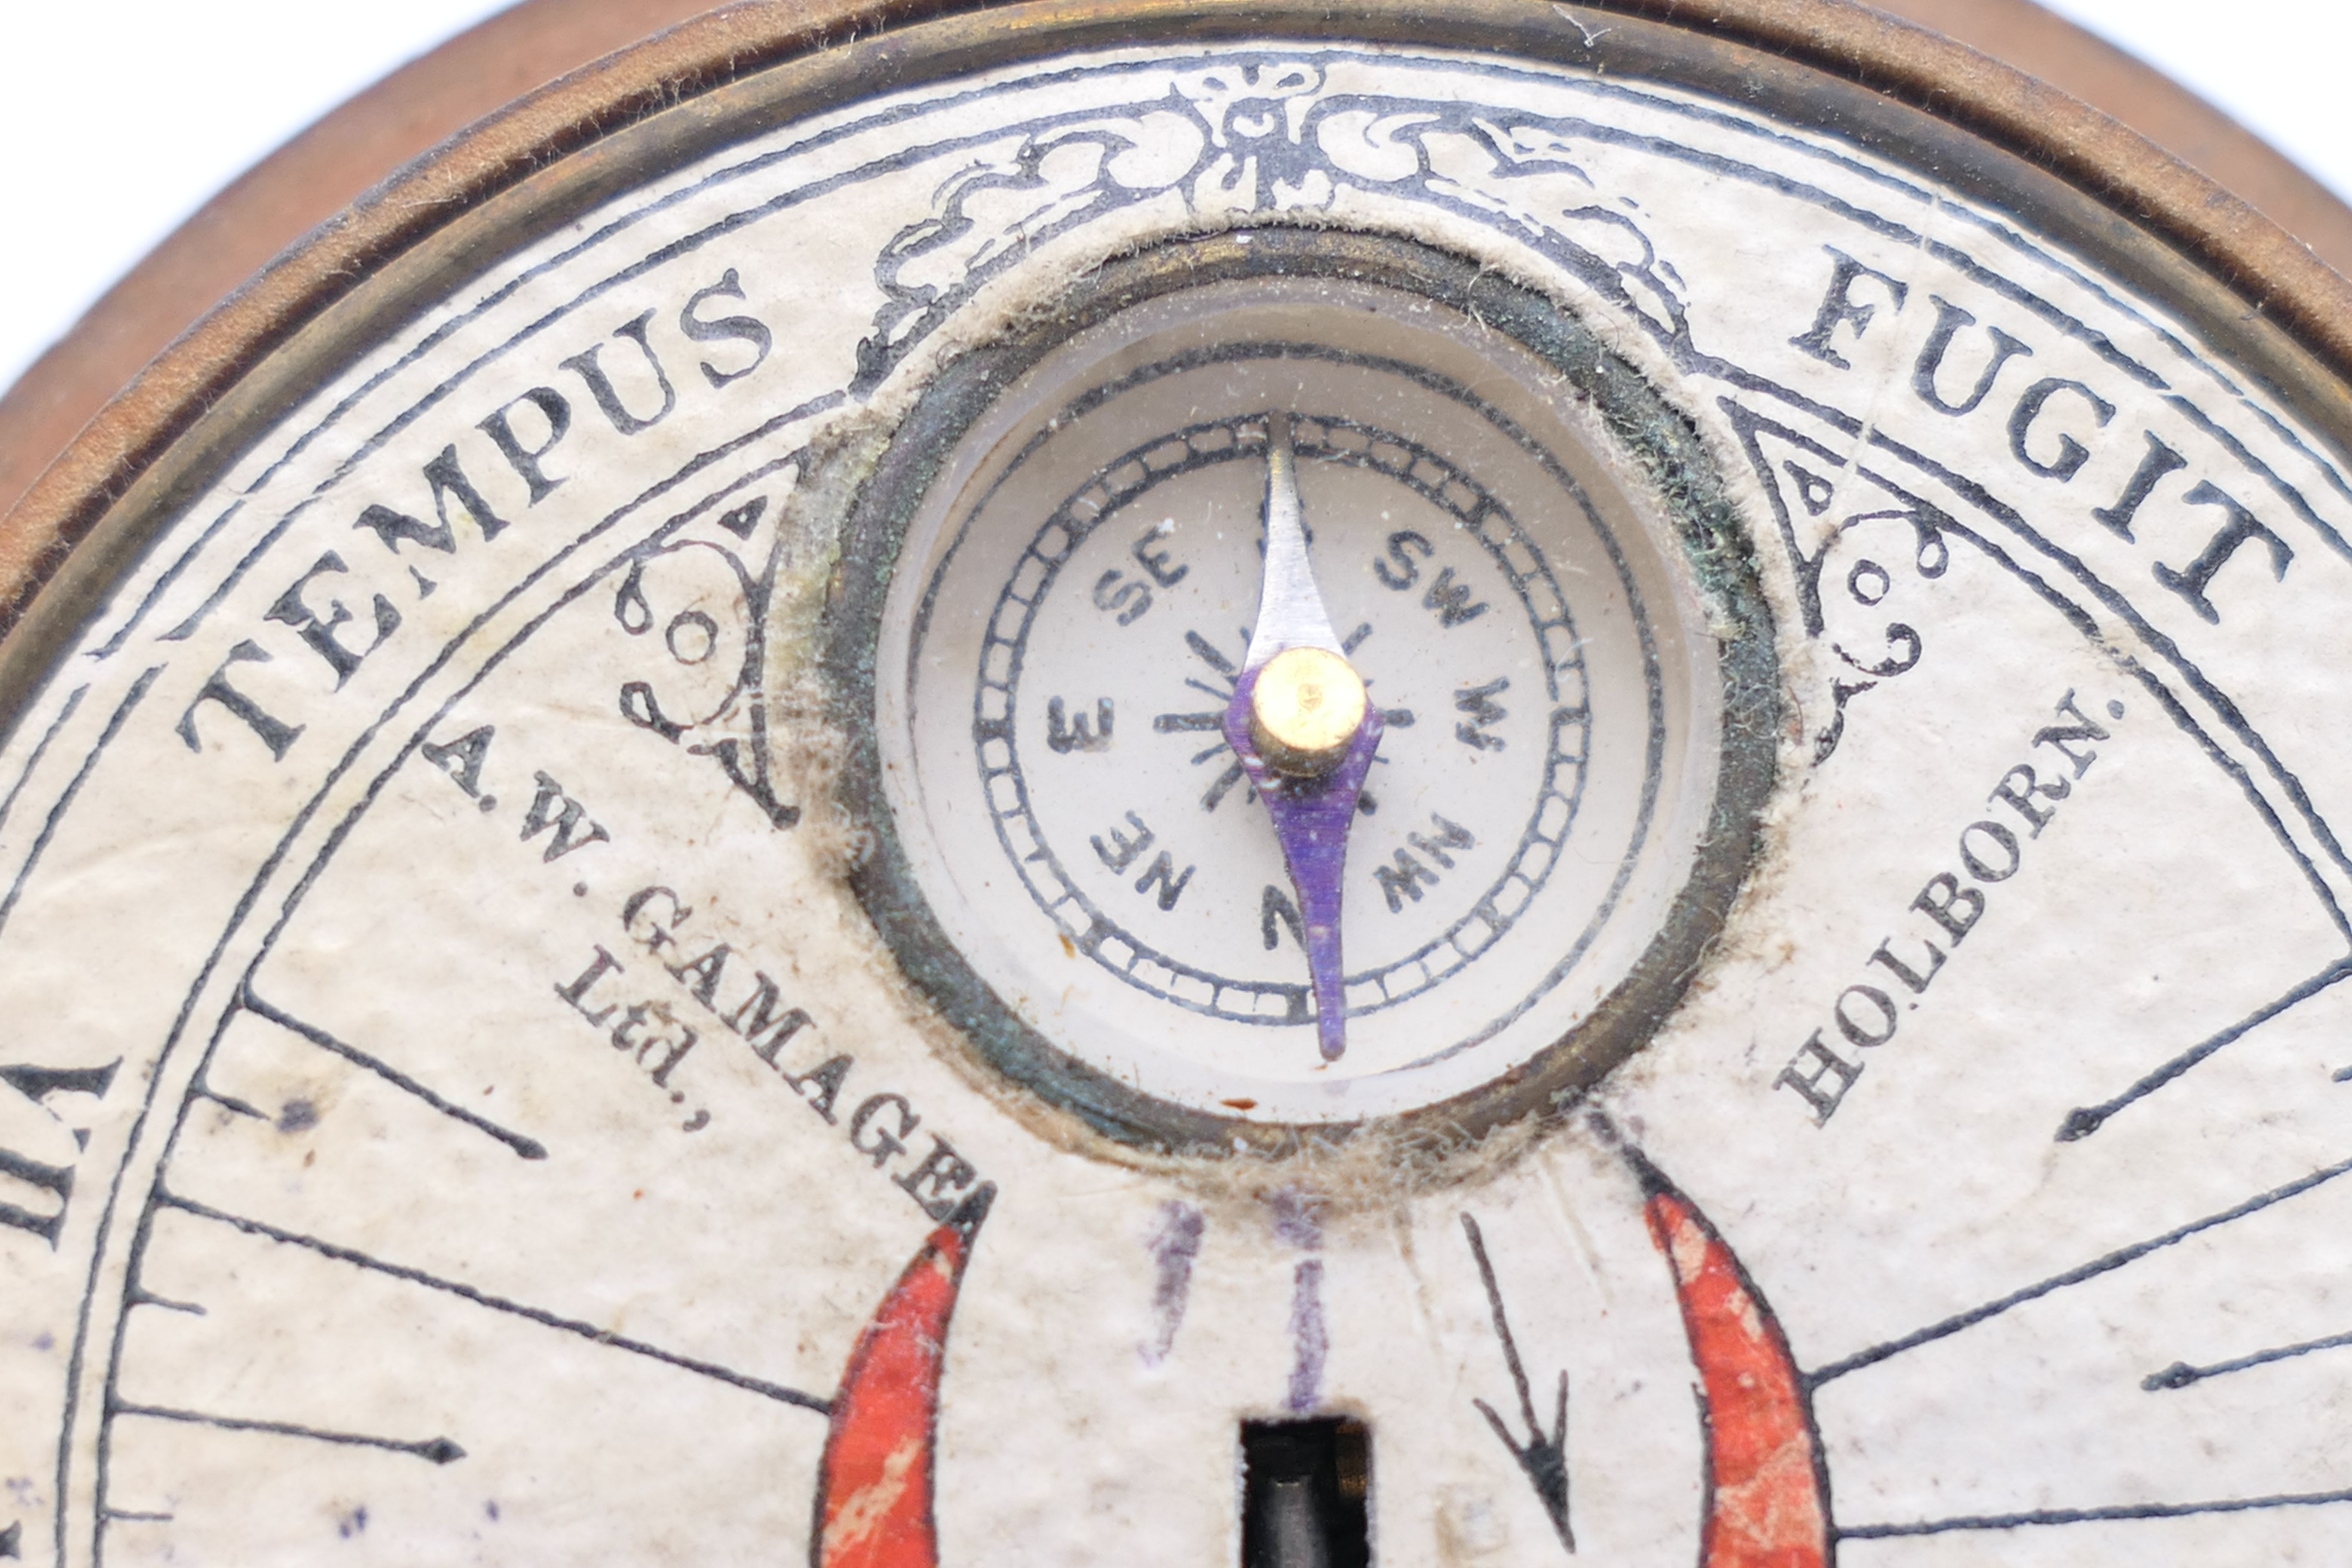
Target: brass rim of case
{"points": [[368, 139]]}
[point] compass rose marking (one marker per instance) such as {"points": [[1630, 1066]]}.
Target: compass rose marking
{"points": [[1213, 657]]}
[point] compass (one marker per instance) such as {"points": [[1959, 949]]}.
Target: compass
{"points": [[1448, 784], [1221, 926]]}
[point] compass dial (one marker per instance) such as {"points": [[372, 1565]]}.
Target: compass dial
{"points": [[1073, 608], [1239, 787]]}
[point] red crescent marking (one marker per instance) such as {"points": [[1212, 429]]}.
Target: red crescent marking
{"points": [[874, 1485], [1768, 1498]]}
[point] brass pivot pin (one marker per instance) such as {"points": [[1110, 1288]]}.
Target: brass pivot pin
{"points": [[1305, 710]]}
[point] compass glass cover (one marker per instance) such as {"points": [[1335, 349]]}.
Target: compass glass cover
{"points": [[1073, 606]]}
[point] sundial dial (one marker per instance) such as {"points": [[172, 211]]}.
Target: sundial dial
{"points": [[1475, 782]]}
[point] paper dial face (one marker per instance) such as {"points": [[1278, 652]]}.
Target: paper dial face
{"points": [[478, 1088]]}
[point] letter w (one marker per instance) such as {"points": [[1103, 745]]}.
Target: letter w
{"points": [[1450, 600], [565, 818]]}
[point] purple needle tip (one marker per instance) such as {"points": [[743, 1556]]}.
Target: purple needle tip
{"points": [[1311, 819]]}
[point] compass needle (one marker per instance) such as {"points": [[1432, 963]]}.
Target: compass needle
{"points": [[769, 665], [1304, 733]]}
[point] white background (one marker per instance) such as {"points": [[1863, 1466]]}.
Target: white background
{"points": [[120, 117]]}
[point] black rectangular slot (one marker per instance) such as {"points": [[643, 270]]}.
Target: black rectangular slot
{"points": [[1305, 1494]]}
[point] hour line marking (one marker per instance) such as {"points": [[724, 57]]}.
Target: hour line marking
{"points": [[2089, 1119], [2092, 1515], [497, 1304], [2180, 1374], [2090, 1270], [530, 1148], [440, 1450], [1220, 786]]}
